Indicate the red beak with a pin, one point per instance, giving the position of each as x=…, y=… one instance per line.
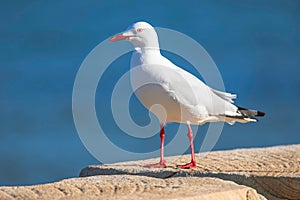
x=118, y=37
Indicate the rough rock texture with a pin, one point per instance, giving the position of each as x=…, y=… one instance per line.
x=273, y=172
x=132, y=187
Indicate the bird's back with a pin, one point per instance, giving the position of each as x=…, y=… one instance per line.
x=156, y=80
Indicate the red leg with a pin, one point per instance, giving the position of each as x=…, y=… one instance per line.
x=192, y=164
x=162, y=163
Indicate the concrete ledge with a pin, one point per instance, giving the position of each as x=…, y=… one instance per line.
x=274, y=172
x=132, y=187
x=235, y=174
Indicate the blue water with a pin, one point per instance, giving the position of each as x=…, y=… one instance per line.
x=255, y=44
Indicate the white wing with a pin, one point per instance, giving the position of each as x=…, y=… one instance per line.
x=198, y=102
x=225, y=95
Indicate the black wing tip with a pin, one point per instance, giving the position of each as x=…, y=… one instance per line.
x=253, y=113
x=241, y=108
x=260, y=114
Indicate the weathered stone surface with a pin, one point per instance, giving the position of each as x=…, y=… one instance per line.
x=273, y=172
x=132, y=187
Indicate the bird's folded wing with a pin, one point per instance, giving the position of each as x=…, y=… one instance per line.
x=225, y=95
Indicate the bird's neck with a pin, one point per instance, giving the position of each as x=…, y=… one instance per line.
x=148, y=50
x=145, y=55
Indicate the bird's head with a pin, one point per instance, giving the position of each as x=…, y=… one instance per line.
x=140, y=34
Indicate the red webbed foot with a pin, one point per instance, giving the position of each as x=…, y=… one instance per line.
x=190, y=165
x=161, y=164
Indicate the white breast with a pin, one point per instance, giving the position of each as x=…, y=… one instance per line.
x=183, y=97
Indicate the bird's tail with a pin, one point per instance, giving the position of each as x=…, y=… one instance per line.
x=243, y=116
x=250, y=114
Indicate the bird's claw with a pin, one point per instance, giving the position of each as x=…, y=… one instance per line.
x=161, y=164
x=190, y=165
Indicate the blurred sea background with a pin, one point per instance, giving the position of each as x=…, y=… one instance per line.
x=255, y=44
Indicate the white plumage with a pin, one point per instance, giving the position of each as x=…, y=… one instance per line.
x=183, y=96
x=173, y=94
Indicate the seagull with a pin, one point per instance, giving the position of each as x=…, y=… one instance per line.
x=173, y=94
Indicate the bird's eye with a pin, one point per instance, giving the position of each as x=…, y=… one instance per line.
x=139, y=30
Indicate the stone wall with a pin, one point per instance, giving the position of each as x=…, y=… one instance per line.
x=260, y=173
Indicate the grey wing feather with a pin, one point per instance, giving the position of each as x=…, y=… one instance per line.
x=224, y=95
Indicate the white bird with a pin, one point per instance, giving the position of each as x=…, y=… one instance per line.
x=182, y=97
